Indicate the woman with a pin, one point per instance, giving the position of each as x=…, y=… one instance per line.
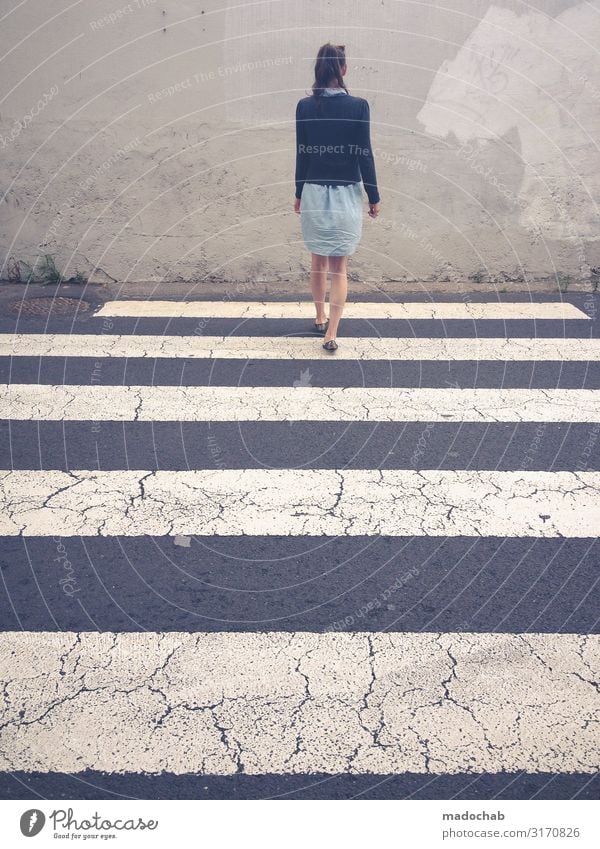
x=333, y=153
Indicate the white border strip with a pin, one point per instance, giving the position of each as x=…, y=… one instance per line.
x=299, y=703
x=47, y=402
x=297, y=348
x=299, y=502
x=354, y=309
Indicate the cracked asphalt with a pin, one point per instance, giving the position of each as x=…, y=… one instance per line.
x=312, y=703
x=233, y=566
x=269, y=502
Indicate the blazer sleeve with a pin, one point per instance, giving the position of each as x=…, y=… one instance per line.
x=366, y=159
x=302, y=156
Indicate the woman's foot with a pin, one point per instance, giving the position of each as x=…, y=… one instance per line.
x=330, y=345
x=321, y=326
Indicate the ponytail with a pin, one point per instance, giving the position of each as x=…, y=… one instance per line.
x=331, y=58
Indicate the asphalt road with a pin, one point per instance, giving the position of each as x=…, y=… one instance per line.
x=293, y=689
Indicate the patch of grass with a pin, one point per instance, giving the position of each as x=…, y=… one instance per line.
x=563, y=281
x=477, y=276
x=43, y=271
x=13, y=270
x=49, y=273
x=79, y=278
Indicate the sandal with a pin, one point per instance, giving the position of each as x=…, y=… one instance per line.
x=331, y=345
x=322, y=327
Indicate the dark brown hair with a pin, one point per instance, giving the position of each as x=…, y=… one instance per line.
x=331, y=58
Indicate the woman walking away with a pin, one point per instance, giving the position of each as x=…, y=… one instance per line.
x=333, y=154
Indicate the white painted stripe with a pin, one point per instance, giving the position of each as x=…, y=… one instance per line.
x=296, y=348
x=354, y=309
x=299, y=502
x=47, y=402
x=219, y=703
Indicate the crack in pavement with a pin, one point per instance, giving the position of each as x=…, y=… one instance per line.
x=303, y=702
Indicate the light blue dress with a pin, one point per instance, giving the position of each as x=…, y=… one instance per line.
x=331, y=216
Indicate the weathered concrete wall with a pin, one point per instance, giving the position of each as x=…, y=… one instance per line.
x=154, y=141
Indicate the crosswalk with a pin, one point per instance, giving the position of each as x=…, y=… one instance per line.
x=253, y=347
x=228, y=556
x=297, y=502
x=282, y=403
x=360, y=309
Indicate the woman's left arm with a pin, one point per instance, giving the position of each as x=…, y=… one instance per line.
x=366, y=160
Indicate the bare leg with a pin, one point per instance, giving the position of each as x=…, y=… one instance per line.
x=338, y=267
x=318, y=285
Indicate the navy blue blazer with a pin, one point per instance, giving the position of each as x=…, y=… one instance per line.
x=333, y=143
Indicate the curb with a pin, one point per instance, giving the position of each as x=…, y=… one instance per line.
x=261, y=290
